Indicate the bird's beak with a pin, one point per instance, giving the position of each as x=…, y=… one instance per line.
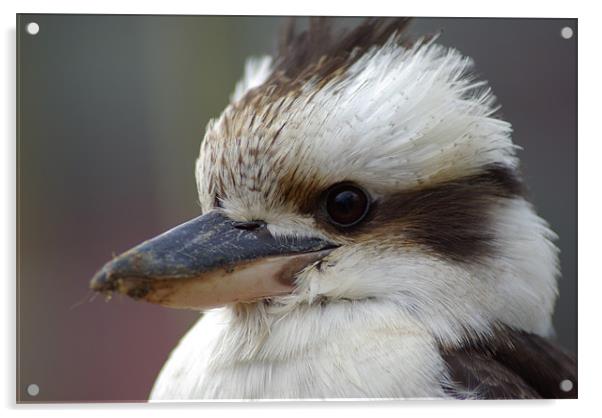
x=208, y=262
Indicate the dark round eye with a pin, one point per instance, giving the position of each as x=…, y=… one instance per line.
x=346, y=204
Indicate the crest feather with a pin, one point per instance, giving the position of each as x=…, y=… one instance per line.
x=319, y=53
x=318, y=45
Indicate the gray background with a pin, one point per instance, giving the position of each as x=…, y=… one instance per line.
x=112, y=111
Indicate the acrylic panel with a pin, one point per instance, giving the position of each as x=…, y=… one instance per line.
x=112, y=110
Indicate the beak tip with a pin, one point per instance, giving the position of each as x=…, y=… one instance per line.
x=102, y=282
x=110, y=279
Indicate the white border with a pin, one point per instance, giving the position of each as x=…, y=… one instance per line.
x=590, y=140
x=507, y=8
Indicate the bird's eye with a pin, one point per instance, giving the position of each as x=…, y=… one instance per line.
x=346, y=204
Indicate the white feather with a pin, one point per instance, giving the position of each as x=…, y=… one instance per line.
x=257, y=70
x=340, y=350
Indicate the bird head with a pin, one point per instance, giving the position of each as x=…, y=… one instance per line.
x=357, y=167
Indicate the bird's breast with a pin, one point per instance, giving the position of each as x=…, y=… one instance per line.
x=308, y=353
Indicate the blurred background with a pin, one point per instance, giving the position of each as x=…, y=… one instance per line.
x=112, y=110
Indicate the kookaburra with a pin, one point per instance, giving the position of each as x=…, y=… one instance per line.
x=363, y=235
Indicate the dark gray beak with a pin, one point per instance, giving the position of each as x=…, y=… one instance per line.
x=210, y=261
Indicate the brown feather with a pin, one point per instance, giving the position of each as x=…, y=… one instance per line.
x=510, y=365
x=298, y=52
x=318, y=53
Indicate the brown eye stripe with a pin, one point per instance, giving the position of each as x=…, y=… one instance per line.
x=451, y=219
